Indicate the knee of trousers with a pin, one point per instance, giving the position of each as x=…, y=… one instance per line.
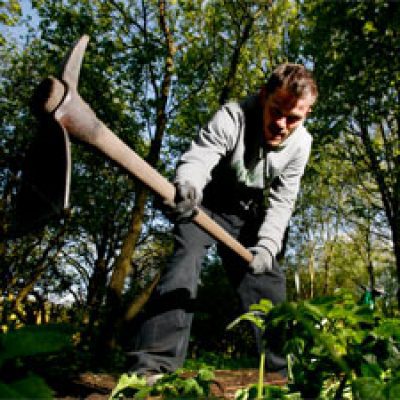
x=183, y=268
x=163, y=331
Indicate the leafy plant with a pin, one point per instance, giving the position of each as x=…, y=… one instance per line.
x=268, y=392
x=256, y=315
x=177, y=385
x=16, y=348
x=334, y=343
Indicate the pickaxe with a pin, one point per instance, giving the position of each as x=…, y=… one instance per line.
x=67, y=114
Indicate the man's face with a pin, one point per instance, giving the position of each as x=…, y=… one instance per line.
x=282, y=114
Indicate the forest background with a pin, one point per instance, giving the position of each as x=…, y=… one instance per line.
x=154, y=72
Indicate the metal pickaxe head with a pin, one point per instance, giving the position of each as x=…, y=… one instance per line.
x=46, y=174
x=45, y=179
x=73, y=62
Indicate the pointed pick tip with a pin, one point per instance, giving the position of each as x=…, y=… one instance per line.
x=73, y=62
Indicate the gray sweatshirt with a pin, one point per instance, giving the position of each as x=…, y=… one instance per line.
x=234, y=136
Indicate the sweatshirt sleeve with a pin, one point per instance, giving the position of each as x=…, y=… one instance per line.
x=280, y=203
x=214, y=141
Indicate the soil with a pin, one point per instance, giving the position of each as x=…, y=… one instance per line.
x=94, y=386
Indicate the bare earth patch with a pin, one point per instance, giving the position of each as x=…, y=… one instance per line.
x=91, y=386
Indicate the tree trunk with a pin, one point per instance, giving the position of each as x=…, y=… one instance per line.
x=229, y=83
x=396, y=247
x=135, y=307
x=370, y=265
x=311, y=270
x=327, y=261
x=55, y=244
x=122, y=268
x=96, y=292
x=123, y=265
x=244, y=36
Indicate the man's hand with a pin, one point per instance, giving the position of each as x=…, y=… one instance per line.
x=187, y=198
x=262, y=261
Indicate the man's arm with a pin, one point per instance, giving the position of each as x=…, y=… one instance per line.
x=214, y=141
x=282, y=196
x=281, y=200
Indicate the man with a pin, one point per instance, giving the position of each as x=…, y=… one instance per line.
x=244, y=169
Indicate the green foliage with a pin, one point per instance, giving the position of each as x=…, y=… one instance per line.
x=334, y=340
x=256, y=315
x=354, y=48
x=10, y=11
x=33, y=340
x=128, y=382
x=174, y=386
x=219, y=360
x=20, y=346
x=363, y=37
x=269, y=392
x=376, y=388
x=31, y=387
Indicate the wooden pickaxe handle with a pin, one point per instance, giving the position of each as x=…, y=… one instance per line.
x=80, y=121
x=117, y=150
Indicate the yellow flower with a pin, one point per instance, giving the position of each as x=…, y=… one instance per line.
x=76, y=338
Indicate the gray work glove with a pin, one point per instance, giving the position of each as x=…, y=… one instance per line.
x=187, y=198
x=262, y=261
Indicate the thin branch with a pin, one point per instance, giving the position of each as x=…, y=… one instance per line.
x=77, y=265
x=377, y=171
x=153, y=78
x=126, y=16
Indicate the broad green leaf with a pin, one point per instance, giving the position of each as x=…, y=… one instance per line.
x=388, y=328
x=205, y=374
x=367, y=388
x=256, y=320
x=6, y=392
x=32, y=387
x=392, y=389
x=264, y=306
x=128, y=381
x=32, y=340
x=275, y=392
x=371, y=370
x=310, y=310
x=295, y=345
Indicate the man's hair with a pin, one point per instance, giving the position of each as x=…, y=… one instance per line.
x=294, y=78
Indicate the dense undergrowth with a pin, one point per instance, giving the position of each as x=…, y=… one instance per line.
x=336, y=349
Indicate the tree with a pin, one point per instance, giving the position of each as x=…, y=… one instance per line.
x=21, y=260
x=355, y=49
x=334, y=212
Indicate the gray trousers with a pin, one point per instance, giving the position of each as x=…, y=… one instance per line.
x=162, y=339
